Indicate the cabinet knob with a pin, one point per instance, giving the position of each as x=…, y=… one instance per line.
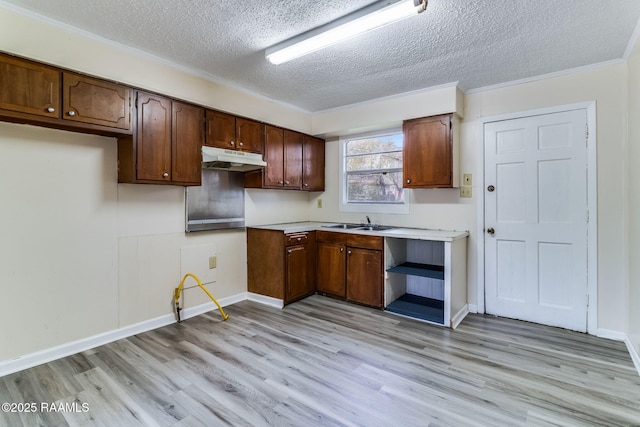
x=232, y=143
x=241, y=144
x=305, y=184
x=299, y=238
x=289, y=251
x=51, y=110
x=166, y=174
x=287, y=182
x=280, y=182
x=341, y=249
x=71, y=113
x=408, y=181
x=349, y=252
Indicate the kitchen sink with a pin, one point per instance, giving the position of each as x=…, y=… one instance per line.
x=376, y=227
x=343, y=226
x=364, y=227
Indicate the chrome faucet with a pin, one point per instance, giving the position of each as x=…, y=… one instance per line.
x=368, y=220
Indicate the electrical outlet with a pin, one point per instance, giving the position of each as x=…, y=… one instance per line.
x=319, y=203
x=212, y=262
x=467, y=179
x=465, y=192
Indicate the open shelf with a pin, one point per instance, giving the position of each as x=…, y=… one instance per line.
x=419, y=307
x=416, y=269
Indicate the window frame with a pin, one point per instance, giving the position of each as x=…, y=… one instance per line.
x=363, y=207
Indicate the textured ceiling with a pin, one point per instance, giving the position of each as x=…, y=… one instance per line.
x=474, y=42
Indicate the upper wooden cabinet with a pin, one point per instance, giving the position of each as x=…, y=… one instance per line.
x=430, y=158
x=28, y=87
x=94, y=101
x=294, y=161
x=235, y=133
x=312, y=164
x=42, y=95
x=165, y=147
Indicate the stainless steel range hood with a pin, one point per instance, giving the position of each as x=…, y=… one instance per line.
x=230, y=160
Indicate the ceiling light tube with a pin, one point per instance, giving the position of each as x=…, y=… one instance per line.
x=374, y=16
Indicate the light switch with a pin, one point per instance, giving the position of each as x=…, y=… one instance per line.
x=212, y=262
x=319, y=203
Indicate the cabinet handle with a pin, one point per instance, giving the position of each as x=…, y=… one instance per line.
x=166, y=174
x=71, y=113
x=280, y=182
x=408, y=181
x=299, y=238
x=241, y=144
x=51, y=110
x=287, y=182
x=349, y=252
x=232, y=143
x=341, y=249
x=305, y=185
x=289, y=251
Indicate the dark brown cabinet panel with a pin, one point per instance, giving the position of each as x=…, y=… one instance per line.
x=428, y=152
x=364, y=276
x=249, y=135
x=187, y=139
x=274, y=156
x=292, y=159
x=235, y=133
x=42, y=95
x=332, y=269
x=281, y=265
x=28, y=87
x=153, y=138
x=313, y=164
x=350, y=266
x=95, y=101
x=165, y=148
x=221, y=130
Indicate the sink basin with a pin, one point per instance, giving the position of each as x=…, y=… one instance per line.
x=343, y=226
x=376, y=227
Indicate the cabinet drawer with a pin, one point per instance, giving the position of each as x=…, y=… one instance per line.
x=331, y=237
x=364, y=241
x=296, y=239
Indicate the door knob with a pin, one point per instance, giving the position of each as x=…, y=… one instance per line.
x=491, y=231
x=491, y=189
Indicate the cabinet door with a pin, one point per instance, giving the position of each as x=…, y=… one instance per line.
x=292, y=159
x=331, y=269
x=274, y=156
x=187, y=129
x=221, y=130
x=153, y=138
x=364, y=276
x=28, y=87
x=297, y=272
x=313, y=164
x=428, y=152
x=249, y=135
x=97, y=102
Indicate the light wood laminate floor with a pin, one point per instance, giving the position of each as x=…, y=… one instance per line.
x=325, y=362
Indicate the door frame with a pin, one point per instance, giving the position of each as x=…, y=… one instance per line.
x=592, y=204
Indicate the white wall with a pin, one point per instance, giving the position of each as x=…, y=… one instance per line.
x=634, y=198
x=81, y=255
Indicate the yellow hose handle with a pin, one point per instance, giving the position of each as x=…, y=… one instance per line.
x=178, y=290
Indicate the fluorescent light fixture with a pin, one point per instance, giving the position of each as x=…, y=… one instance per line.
x=371, y=17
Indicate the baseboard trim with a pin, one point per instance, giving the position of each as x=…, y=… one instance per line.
x=473, y=308
x=611, y=335
x=459, y=316
x=635, y=356
x=262, y=299
x=39, y=357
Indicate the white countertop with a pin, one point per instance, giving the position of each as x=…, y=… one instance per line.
x=400, y=233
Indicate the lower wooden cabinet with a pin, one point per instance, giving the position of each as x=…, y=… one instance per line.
x=350, y=267
x=280, y=265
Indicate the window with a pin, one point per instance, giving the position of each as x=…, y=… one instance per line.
x=372, y=173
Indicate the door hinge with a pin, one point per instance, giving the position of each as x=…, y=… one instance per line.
x=587, y=217
x=586, y=135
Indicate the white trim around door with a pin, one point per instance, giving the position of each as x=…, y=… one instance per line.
x=592, y=211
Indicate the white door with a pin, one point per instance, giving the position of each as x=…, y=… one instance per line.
x=536, y=219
